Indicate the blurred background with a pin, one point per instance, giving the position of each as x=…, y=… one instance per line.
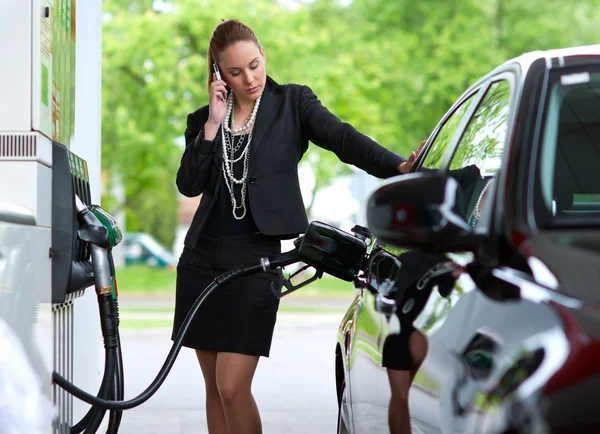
x=391, y=68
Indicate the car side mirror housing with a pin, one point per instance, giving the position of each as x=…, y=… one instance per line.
x=421, y=210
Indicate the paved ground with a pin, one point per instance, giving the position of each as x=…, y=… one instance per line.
x=294, y=388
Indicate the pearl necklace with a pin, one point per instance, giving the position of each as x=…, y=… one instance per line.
x=247, y=124
x=229, y=150
x=477, y=209
x=476, y=214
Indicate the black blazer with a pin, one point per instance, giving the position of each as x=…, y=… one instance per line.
x=288, y=117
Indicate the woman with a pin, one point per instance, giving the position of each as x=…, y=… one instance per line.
x=242, y=154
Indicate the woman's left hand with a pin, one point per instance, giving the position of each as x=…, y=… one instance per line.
x=407, y=165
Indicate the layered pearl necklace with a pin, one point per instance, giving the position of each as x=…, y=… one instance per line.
x=476, y=214
x=229, y=150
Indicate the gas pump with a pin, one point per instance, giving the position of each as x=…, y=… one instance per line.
x=44, y=268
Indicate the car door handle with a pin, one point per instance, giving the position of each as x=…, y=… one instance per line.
x=347, y=333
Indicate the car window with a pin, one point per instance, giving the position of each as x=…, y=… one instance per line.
x=433, y=159
x=570, y=156
x=478, y=156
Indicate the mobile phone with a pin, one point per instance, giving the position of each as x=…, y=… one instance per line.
x=218, y=75
x=217, y=72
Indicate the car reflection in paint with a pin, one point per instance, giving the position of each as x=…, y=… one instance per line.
x=504, y=202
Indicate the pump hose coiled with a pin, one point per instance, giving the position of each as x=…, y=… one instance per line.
x=112, y=385
x=114, y=421
x=170, y=360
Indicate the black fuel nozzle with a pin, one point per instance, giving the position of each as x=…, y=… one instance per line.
x=91, y=229
x=281, y=260
x=362, y=233
x=278, y=290
x=326, y=249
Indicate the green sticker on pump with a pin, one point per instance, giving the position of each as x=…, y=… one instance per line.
x=45, y=85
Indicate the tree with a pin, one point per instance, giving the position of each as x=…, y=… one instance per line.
x=389, y=68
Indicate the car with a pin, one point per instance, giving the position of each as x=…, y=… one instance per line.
x=143, y=249
x=491, y=248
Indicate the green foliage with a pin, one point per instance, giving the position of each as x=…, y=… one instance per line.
x=445, y=134
x=143, y=280
x=492, y=114
x=389, y=68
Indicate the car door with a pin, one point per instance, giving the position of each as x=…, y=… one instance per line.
x=369, y=387
x=475, y=162
x=363, y=360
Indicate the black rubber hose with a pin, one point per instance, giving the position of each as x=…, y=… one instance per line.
x=120, y=393
x=120, y=373
x=85, y=421
x=120, y=382
x=108, y=307
x=120, y=376
x=168, y=364
x=114, y=421
x=99, y=413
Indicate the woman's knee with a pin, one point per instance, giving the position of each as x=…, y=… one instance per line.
x=230, y=390
x=232, y=386
x=234, y=375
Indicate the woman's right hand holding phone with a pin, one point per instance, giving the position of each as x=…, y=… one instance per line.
x=217, y=108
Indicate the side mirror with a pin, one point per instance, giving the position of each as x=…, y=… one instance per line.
x=420, y=210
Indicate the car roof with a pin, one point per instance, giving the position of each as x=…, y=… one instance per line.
x=554, y=58
x=526, y=59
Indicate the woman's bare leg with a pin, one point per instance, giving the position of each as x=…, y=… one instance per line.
x=398, y=415
x=215, y=416
x=417, y=343
x=234, y=381
x=400, y=382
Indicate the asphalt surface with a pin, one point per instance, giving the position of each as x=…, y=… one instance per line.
x=294, y=388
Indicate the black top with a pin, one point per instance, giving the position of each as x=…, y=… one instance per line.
x=288, y=118
x=221, y=221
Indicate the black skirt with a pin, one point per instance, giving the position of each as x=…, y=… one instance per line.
x=238, y=317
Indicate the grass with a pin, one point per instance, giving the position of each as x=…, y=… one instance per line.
x=129, y=321
x=282, y=308
x=139, y=324
x=142, y=280
x=146, y=281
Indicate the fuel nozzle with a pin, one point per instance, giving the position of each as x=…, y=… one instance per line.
x=362, y=233
x=326, y=249
x=97, y=226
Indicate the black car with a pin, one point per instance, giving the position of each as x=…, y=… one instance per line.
x=491, y=248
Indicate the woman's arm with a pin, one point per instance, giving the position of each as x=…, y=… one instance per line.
x=325, y=130
x=196, y=163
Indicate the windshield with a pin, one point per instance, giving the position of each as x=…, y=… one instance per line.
x=570, y=157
